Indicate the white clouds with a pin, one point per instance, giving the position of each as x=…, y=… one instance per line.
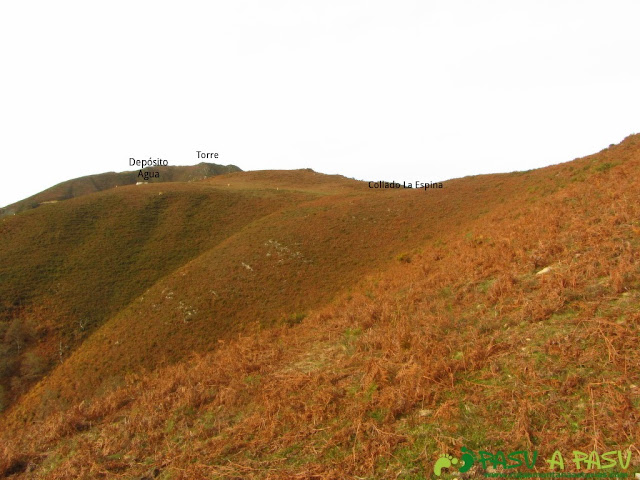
x=369, y=89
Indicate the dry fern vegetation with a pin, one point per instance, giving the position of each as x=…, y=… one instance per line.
x=299, y=325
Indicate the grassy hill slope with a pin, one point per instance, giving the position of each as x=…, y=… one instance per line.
x=272, y=271
x=66, y=268
x=457, y=341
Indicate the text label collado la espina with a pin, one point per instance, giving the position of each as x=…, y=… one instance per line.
x=416, y=184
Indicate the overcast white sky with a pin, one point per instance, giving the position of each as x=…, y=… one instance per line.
x=396, y=90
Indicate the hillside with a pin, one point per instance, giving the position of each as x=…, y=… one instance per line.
x=353, y=333
x=66, y=268
x=271, y=265
x=104, y=181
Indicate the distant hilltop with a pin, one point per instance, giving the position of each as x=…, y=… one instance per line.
x=104, y=181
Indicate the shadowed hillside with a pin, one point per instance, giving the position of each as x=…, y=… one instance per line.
x=363, y=333
x=104, y=181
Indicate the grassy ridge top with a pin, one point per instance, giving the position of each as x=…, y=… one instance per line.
x=104, y=181
x=300, y=180
x=443, y=336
